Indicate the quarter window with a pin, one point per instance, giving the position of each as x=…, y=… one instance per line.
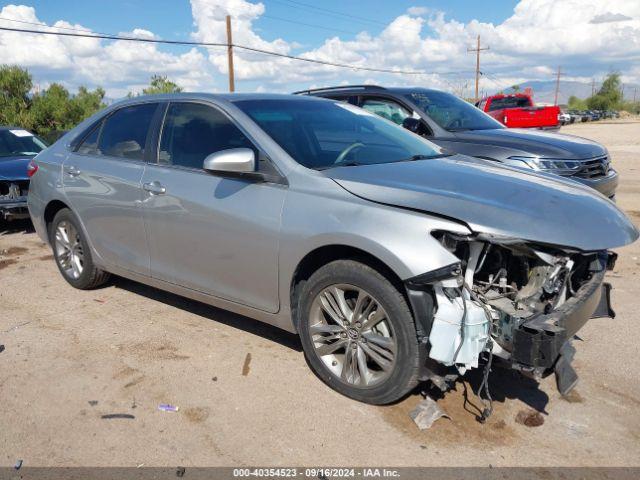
x=124, y=133
x=386, y=109
x=193, y=131
x=89, y=145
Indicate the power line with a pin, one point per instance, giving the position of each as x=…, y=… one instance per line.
x=212, y=44
x=51, y=26
x=102, y=33
x=331, y=13
x=309, y=24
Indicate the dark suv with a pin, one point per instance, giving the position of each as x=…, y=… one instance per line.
x=460, y=127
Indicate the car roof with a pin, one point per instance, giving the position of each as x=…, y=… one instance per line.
x=226, y=97
x=369, y=89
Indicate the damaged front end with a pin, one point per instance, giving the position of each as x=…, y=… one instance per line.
x=512, y=299
x=13, y=199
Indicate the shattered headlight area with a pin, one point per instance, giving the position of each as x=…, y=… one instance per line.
x=514, y=300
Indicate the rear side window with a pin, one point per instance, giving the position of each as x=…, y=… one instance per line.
x=352, y=99
x=508, y=102
x=386, y=109
x=123, y=134
x=193, y=131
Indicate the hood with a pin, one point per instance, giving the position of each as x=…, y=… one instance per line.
x=535, y=142
x=14, y=168
x=495, y=200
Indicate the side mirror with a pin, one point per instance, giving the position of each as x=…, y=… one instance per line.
x=414, y=125
x=233, y=160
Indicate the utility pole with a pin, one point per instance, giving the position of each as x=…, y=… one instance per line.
x=555, y=102
x=635, y=90
x=593, y=87
x=477, y=50
x=232, y=86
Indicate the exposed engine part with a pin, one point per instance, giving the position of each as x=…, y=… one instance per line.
x=512, y=281
x=484, y=386
x=13, y=199
x=513, y=300
x=461, y=325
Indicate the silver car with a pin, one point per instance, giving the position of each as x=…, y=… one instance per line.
x=394, y=261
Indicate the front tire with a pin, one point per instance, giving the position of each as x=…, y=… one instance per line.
x=72, y=253
x=358, y=333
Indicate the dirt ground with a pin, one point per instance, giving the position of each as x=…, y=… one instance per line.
x=246, y=395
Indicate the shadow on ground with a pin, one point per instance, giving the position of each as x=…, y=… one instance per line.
x=16, y=226
x=503, y=384
x=225, y=317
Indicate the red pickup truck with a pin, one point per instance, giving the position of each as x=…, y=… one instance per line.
x=518, y=111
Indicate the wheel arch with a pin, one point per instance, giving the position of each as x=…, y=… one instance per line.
x=50, y=211
x=320, y=256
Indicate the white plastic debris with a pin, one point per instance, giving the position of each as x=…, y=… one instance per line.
x=426, y=413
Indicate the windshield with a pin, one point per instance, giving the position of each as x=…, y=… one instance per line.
x=452, y=113
x=19, y=142
x=322, y=134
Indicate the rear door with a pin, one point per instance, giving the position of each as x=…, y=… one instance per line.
x=102, y=181
x=213, y=234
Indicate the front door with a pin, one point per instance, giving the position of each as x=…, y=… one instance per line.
x=214, y=234
x=102, y=182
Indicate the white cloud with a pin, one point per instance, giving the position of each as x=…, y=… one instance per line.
x=530, y=44
x=417, y=11
x=538, y=36
x=119, y=66
x=609, y=17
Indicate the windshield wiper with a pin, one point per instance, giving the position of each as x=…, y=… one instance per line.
x=346, y=164
x=413, y=158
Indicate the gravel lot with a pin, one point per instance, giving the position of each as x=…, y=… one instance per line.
x=246, y=395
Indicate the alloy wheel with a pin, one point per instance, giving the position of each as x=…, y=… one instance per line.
x=352, y=335
x=69, y=251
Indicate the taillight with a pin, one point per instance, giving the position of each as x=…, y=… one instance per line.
x=32, y=168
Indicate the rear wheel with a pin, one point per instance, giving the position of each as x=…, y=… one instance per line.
x=72, y=253
x=358, y=332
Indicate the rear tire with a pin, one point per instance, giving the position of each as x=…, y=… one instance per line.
x=72, y=253
x=358, y=333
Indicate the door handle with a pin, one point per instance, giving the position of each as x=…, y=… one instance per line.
x=154, y=188
x=72, y=171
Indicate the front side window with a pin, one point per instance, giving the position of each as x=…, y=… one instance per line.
x=124, y=133
x=386, y=109
x=193, y=131
x=14, y=142
x=452, y=113
x=322, y=134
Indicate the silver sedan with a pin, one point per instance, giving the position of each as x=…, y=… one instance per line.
x=395, y=261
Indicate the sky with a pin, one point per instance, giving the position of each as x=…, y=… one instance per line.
x=527, y=39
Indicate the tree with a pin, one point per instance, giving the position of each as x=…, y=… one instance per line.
x=49, y=111
x=609, y=96
x=515, y=88
x=56, y=110
x=88, y=102
x=576, y=103
x=15, y=85
x=161, y=84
